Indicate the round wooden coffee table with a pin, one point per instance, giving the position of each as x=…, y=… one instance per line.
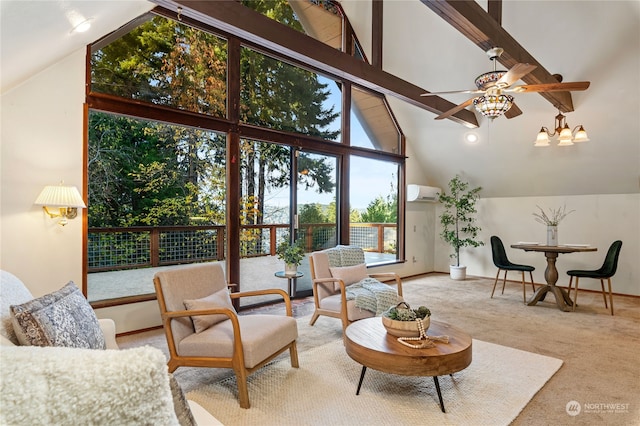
x=368, y=343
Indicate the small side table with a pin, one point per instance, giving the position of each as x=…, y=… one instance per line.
x=291, y=280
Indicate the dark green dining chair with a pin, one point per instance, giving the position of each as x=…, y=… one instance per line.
x=504, y=264
x=606, y=271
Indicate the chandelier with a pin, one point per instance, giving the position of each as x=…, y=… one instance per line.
x=493, y=105
x=565, y=134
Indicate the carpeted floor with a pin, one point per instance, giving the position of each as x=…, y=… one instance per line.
x=492, y=390
x=601, y=365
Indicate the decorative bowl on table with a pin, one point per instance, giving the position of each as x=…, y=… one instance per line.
x=401, y=320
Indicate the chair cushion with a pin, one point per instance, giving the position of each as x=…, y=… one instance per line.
x=219, y=299
x=262, y=336
x=516, y=267
x=597, y=274
x=61, y=318
x=350, y=274
x=354, y=313
x=191, y=282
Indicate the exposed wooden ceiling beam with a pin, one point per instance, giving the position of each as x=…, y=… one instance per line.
x=376, y=33
x=494, y=8
x=236, y=19
x=470, y=19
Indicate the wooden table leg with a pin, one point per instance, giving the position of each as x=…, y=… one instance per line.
x=563, y=301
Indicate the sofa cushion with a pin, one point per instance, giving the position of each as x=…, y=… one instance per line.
x=12, y=292
x=180, y=405
x=5, y=342
x=219, y=299
x=61, y=318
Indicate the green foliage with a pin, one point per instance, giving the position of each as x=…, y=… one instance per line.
x=151, y=173
x=141, y=173
x=382, y=210
x=403, y=312
x=291, y=254
x=457, y=219
x=312, y=213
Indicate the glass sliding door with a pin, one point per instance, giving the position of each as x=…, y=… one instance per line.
x=272, y=213
x=315, y=196
x=265, y=215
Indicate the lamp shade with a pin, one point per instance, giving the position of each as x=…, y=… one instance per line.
x=493, y=106
x=565, y=137
x=581, y=135
x=542, y=139
x=60, y=196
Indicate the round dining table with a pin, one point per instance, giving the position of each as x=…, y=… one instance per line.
x=563, y=301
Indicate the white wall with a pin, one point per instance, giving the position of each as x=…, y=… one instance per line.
x=42, y=143
x=598, y=220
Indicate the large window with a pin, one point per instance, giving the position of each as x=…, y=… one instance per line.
x=166, y=63
x=172, y=156
x=280, y=96
x=156, y=198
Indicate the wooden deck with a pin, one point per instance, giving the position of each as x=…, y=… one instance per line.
x=256, y=273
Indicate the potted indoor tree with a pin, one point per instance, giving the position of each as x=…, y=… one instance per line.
x=292, y=256
x=458, y=222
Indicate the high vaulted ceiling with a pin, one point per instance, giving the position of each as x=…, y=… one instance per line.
x=598, y=41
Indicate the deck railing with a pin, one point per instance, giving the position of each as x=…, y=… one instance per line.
x=112, y=249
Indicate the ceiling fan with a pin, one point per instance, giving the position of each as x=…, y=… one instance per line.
x=492, y=88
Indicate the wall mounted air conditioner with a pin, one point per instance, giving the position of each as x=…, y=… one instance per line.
x=422, y=193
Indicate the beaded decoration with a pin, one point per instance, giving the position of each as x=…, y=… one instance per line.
x=424, y=340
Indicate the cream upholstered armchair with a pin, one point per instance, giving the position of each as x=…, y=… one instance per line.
x=203, y=329
x=333, y=272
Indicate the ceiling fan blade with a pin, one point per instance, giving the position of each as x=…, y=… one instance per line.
x=452, y=92
x=552, y=87
x=514, y=74
x=455, y=109
x=514, y=111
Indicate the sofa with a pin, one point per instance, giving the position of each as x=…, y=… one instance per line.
x=51, y=375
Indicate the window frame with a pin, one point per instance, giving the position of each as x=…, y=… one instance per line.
x=235, y=129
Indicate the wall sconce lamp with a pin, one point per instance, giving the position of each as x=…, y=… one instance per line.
x=564, y=132
x=66, y=198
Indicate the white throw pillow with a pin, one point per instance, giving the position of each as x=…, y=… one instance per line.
x=350, y=274
x=219, y=299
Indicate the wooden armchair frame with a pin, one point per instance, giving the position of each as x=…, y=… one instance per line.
x=235, y=362
x=342, y=314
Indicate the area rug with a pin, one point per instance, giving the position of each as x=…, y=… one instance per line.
x=492, y=391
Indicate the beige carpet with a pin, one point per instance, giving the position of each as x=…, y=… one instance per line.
x=600, y=352
x=492, y=391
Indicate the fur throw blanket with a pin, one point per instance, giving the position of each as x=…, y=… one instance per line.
x=71, y=386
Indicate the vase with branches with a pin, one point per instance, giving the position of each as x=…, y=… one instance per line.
x=552, y=220
x=459, y=228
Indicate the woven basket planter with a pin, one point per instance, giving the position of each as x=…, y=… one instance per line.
x=404, y=328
